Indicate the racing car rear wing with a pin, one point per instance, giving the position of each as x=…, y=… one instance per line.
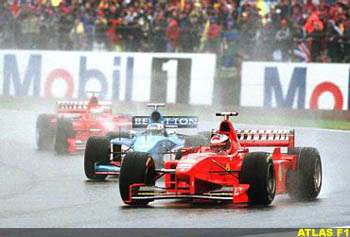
x=168, y=121
x=155, y=105
x=78, y=106
x=266, y=138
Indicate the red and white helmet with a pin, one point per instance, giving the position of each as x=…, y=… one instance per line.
x=219, y=142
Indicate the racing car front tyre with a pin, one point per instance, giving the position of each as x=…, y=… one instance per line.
x=45, y=132
x=305, y=182
x=258, y=171
x=137, y=167
x=63, y=132
x=96, y=150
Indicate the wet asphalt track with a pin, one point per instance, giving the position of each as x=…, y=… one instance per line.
x=40, y=189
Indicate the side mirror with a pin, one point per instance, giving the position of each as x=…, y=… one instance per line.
x=172, y=132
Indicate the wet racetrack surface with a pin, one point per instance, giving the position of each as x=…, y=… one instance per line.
x=41, y=189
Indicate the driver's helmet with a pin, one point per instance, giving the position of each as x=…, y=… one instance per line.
x=155, y=129
x=219, y=142
x=94, y=100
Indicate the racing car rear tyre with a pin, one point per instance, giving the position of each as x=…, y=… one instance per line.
x=137, y=167
x=63, y=132
x=305, y=182
x=258, y=171
x=45, y=132
x=97, y=150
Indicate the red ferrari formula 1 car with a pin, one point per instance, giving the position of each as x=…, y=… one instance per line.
x=226, y=170
x=75, y=122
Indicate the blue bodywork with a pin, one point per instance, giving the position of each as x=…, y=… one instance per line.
x=157, y=144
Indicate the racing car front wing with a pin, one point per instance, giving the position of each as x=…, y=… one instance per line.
x=236, y=194
x=109, y=169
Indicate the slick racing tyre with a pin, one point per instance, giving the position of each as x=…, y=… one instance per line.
x=137, y=167
x=305, y=182
x=45, y=131
x=63, y=132
x=96, y=150
x=258, y=171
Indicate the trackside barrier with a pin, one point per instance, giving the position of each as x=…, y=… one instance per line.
x=137, y=77
x=296, y=85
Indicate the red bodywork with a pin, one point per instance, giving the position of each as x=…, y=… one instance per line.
x=203, y=174
x=89, y=118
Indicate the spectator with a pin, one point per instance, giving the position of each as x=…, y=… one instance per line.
x=230, y=46
x=315, y=38
x=282, y=9
x=283, y=39
x=134, y=37
x=309, y=6
x=334, y=35
x=179, y=26
x=213, y=37
x=100, y=30
x=189, y=34
x=65, y=24
x=30, y=29
x=346, y=42
x=77, y=35
x=172, y=35
x=158, y=35
x=115, y=39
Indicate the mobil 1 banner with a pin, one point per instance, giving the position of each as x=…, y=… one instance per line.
x=168, y=121
x=169, y=78
x=171, y=72
x=296, y=85
x=182, y=78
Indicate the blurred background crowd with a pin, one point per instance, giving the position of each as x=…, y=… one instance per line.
x=235, y=30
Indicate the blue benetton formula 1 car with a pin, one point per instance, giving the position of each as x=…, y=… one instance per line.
x=103, y=154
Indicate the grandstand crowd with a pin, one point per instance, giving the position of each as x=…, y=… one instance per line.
x=282, y=30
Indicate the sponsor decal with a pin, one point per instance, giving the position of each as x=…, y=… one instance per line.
x=280, y=173
x=148, y=160
x=168, y=121
x=268, y=158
